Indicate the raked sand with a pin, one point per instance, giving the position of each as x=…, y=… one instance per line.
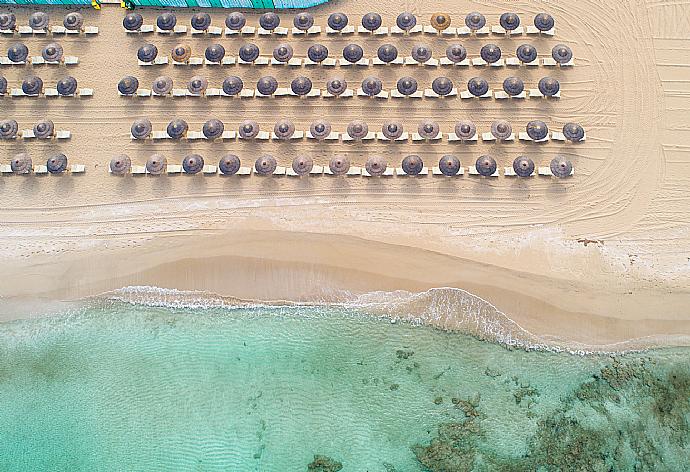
x=519, y=244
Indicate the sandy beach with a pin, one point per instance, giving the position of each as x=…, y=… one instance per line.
x=597, y=259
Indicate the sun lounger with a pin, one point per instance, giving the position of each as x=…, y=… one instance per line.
x=523, y=136
x=437, y=171
x=472, y=170
x=78, y=168
x=400, y=172
x=383, y=30
x=362, y=62
x=465, y=94
x=347, y=30
x=452, y=137
x=510, y=172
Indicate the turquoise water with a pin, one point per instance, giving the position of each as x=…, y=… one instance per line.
x=120, y=387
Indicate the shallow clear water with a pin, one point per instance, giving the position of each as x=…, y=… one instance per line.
x=120, y=387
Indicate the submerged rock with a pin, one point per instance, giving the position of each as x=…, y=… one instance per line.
x=324, y=464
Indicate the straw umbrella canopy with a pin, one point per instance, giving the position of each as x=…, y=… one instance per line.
x=465, y=130
x=302, y=165
x=162, y=85
x=406, y=21
x=442, y=86
x=376, y=165
x=147, y=53
x=8, y=21
x=267, y=85
x=249, y=129
x=156, y=164
x=177, y=128
x=73, y=21
x=52, y=52
x=3, y=85
x=215, y=53
x=265, y=165
x=543, y=21
x=128, y=85
x=166, y=21
x=357, y=129
x=475, y=21
x=456, y=53
x=337, y=21
x=317, y=52
x=141, y=128
x=301, y=85
x=336, y=86
x=320, y=129
x=561, y=167
x=181, y=53
x=21, y=164
x=440, y=21
x=132, y=21
x=573, y=132
x=233, y=85
x=193, y=163
x=197, y=85
x=8, y=129
x=392, y=129
x=303, y=21
x=39, y=20
x=387, y=53
x=353, y=53
x=18, y=52
x=249, y=52
x=485, y=165
x=120, y=165
x=67, y=86
x=537, y=130
x=513, y=86
x=283, y=52
x=428, y=129
x=372, y=86
x=523, y=166
x=213, y=128
x=526, y=53
x=509, y=21
x=44, y=129
x=549, y=86
x=32, y=85
x=449, y=165
x=477, y=86
x=269, y=21
x=229, y=164
x=501, y=129
x=284, y=129
x=421, y=53
x=235, y=20
x=407, y=85
x=57, y=163
x=412, y=165
x=339, y=165
x=490, y=53
x=372, y=21
x=201, y=21
x=561, y=53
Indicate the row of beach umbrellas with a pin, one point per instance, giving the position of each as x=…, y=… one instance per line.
x=304, y=21
x=42, y=129
x=22, y=164
x=39, y=21
x=33, y=85
x=19, y=52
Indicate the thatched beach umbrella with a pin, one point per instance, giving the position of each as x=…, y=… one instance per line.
x=456, y=53
x=8, y=21
x=537, y=130
x=52, y=52
x=18, y=52
x=421, y=53
x=162, y=85
x=392, y=129
x=513, y=86
x=156, y=164
x=440, y=21
x=407, y=85
x=32, y=85
x=120, y=165
x=561, y=167
x=320, y=129
x=215, y=53
x=526, y=53
x=147, y=53
x=412, y=165
x=44, y=129
x=249, y=52
x=302, y=165
x=372, y=86
x=357, y=129
x=303, y=21
x=267, y=85
x=449, y=165
x=490, y=53
x=477, y=86
x=213, y=129
x=8, y=129
x=406, y=21
x=57, y=163
x=543, y=21
x=337, y=21
x=235, y=20
x=442, y=86
x=376, y=165
x=485, y=165
x=249, y=129
x=132, y=21
x=336, y=86
x=501, y=129
x=465, y=130
x=233, y=85
x=301, y=85
x=128, y=85
x=193, y=163
x=372, y=21
x=197, y=85
x=269, y=21
x=523, y=166
x=21, y=164
x=229, y=164
x=475, y=21
x=177, y=128
x=353, y=53
x=141, y=128
x=166, y=21
x=573, y=132
x=284, y=129
x=3, y=85
x=73, y=21
x=39, y=20
x=549, y=86
x=387, y=53
x=265, y=165
x=317, y=53
x=181, y=53
x=67, y=86
x=339, y=165
x=509, y=21
x=561, y=53
x=201, y=21
x=428, y=129
x=283, y=52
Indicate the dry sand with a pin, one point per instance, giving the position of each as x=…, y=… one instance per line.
x=512, y=242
